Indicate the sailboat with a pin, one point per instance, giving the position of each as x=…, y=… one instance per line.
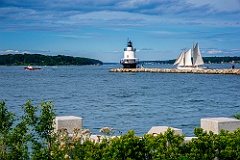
x=190, y=59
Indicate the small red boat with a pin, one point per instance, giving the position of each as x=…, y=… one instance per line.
x=31, y=68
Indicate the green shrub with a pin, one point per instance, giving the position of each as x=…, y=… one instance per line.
x=33, y=137
x=6, y=122
x=164, y=146
x=237, y=116
x=124, y=147
x=202, y=147
x=228, y=145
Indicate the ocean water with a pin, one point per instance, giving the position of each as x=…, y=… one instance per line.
x=124, y=101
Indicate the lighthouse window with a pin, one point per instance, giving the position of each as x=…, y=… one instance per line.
x=127, y=56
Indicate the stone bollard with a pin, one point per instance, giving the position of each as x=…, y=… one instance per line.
x=68, y=122
x=216, y=124
x=162, y=129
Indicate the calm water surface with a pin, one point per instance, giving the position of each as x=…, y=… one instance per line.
x=124, y=101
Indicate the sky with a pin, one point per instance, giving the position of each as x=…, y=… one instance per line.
x=99, y=29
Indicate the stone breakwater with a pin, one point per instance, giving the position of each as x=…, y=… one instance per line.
x=173, y=70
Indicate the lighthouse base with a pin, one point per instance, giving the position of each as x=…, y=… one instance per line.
x=134, y=65
x=129, y=63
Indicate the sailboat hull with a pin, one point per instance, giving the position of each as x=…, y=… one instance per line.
x=189, y=68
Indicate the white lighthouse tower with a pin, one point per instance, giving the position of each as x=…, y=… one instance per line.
x=129, y=60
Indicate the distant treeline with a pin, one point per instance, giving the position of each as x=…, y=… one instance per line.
x=206, y=60
x=42, y=60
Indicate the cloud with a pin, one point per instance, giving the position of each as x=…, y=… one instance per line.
x=214, y=51
x=117, y=52
x=69, y=16
x=134, y=4
x=146, y=49
x=222, y=52
x=11, y=51
x=67, y=36
x=218, y=5
x=235, y=50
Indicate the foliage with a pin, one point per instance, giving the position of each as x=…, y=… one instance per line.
x=6, y=122
x=164, y=146
x=33, y=137
x=222, y=59
x=228, y=145
x=237, y=116
x=202, y=147
x=35, y=130
x=124, y=147
x=42, y=60
x=42, y=128
x=205, y=59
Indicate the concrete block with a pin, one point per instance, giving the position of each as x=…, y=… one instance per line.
x=68, y=122
x=216, y=124
x=188, y=139
x=162, y=129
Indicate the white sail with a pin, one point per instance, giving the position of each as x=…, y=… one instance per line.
x=184, y=61
x=188, y=58
x=197, y=57
x=179, y=59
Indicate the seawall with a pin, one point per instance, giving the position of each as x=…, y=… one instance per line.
x=214, y=124
x=173, y=70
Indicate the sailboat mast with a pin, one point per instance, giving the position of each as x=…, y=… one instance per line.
x=192, y=53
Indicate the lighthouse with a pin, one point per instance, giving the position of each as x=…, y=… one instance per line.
x=129, y=60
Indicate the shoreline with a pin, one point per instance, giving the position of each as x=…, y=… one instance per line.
x=173, y=70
